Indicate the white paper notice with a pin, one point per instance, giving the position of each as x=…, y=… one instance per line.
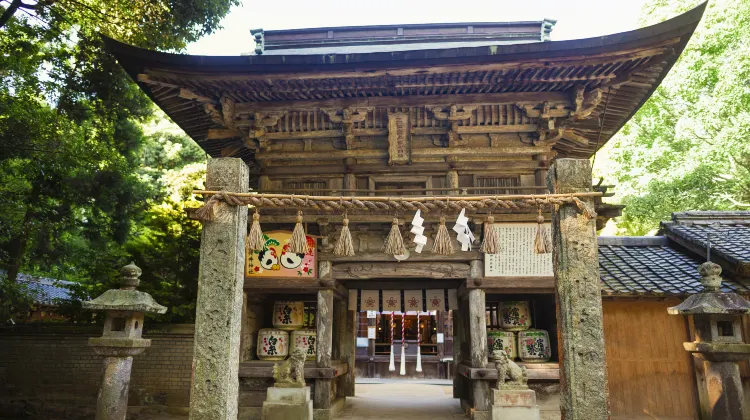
x=517, y=257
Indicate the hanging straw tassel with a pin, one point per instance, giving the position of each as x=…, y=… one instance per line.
x=491, y=241
x=419, y=348
x=402, y=371
x=442, y=244
x=392, y=366
x=344, y=246
x=255, y=241
x=394, y=244
x=298, y=241
x=542, y=242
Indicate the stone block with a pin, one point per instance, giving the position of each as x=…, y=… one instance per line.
x=514, y=405
x=287, y=403
x=288, y=395
x=513, y=398
x=287, y=411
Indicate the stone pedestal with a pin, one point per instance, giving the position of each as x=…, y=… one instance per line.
x=512, y=404
x=287, y=404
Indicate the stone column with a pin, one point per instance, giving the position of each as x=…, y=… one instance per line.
x=219, y=306
x=112, y=401
x=725, y=395
x=583, y=370
x=322, y=397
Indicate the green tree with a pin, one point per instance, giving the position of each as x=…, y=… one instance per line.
x=687, y=148
x=72, y=184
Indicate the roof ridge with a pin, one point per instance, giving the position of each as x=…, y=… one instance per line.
x=632, y=241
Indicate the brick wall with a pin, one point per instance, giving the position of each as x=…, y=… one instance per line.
x=53, y=363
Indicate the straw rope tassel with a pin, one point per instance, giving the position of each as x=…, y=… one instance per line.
x=402, y=371
x=255, y=241
x=392, y=366
x=442, y=244
x=542, y=241
x=298, y=241
x=394, y=244
x=419, y=348
x=344, y=246
x=491, y=241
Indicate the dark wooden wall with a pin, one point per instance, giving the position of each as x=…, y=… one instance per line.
x=650, y=374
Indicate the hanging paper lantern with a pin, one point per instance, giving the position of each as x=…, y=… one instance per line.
x=418, y=230
x=464, y=235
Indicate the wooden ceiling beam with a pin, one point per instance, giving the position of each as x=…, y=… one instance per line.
x=472, y=166
x=404, y=101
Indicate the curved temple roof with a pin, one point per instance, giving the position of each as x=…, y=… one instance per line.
x=221, y=102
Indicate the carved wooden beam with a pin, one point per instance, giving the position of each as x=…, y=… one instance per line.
x=347, y=119
x=405, y=101
x=585, y=101
x=453, y=115
x=575, y=138
x=260, y=122
x=221, y=134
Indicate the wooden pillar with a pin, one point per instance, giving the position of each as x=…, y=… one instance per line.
x=348, y=349
x=350, y=183
x=322, y=396
x=478, y=352
x=458, y=344
x=541, y=173
x=216, y=353
x=451, y=181
x=343, y=345
x=583, y=370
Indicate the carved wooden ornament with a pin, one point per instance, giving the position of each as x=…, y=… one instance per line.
x=399, y=139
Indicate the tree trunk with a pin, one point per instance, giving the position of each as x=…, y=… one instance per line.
x=17, y=248
x=9, y=12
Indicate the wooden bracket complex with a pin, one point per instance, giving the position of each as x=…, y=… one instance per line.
x=347, y=119
x=453, y=115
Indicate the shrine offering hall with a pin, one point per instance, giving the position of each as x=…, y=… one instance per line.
x=405, y=202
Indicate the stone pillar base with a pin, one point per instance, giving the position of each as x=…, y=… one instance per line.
x=287, y=403
x=514, y=404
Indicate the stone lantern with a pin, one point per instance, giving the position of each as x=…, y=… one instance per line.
x=718, y=342
x=121, y=340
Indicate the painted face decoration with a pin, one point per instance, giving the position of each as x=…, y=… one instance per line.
x=289, y=259
x=268, y=259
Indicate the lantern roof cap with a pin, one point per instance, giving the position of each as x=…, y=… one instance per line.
x=126, y=298
x=711, y=301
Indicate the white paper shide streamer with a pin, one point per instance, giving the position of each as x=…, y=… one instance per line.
x=418, y=230
x=464, y=235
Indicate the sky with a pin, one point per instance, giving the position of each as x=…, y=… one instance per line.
x=575, y=18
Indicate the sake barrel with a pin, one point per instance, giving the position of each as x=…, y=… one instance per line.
x=273, y=344
x=288, y=315
x=515, y=315
x=305, y=340
x=534, y=346
x=502, y=340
